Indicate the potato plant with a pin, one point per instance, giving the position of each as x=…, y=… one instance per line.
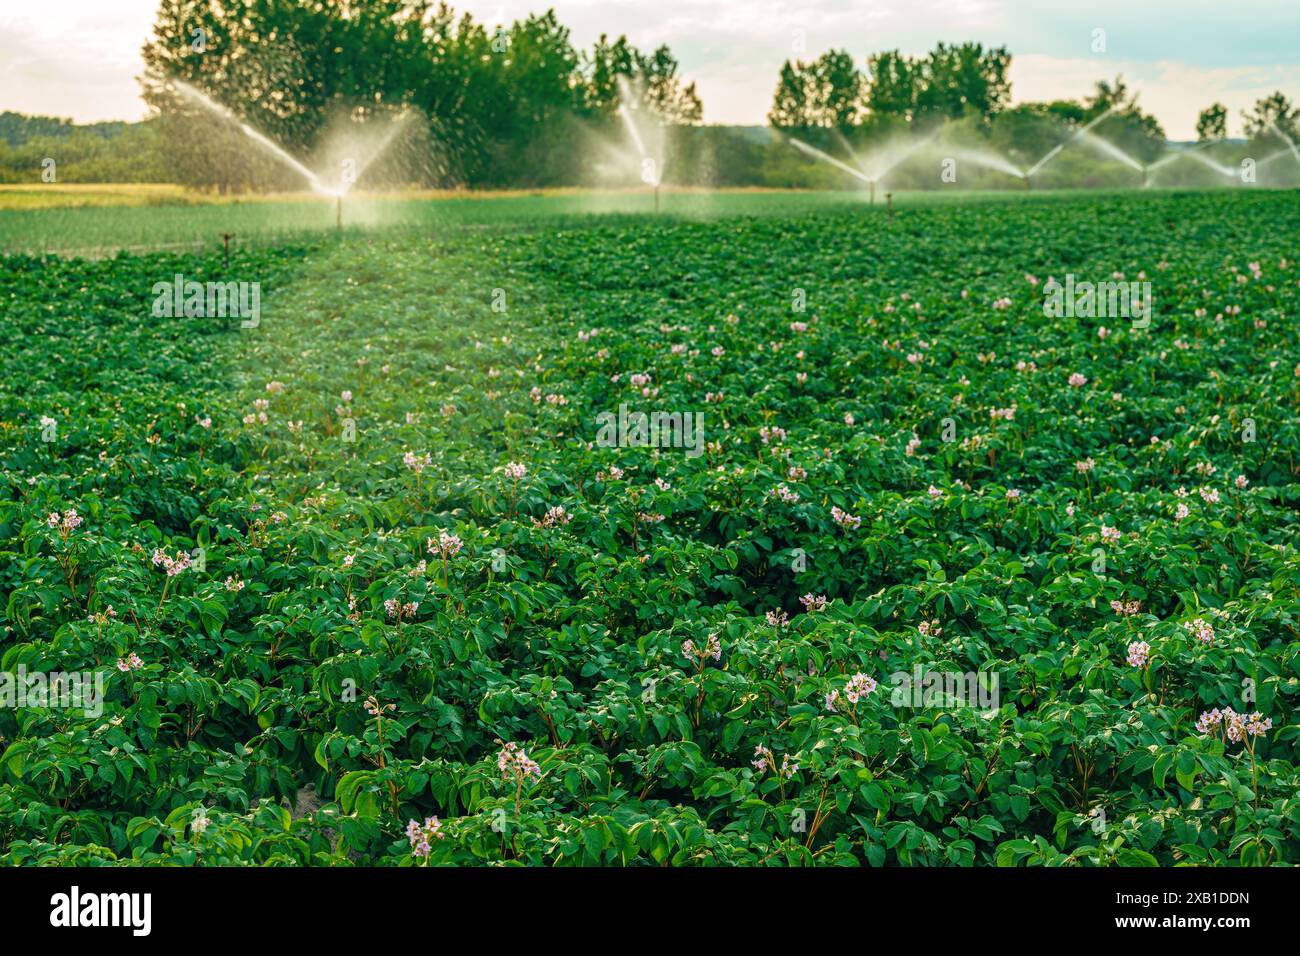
x=368, y=586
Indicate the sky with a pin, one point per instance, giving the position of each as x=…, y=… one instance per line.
x=80, y=58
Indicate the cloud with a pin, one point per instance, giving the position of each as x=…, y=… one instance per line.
x=1174, y=91
x=78, y=58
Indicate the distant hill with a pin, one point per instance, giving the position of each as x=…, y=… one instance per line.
x=753, y=134
x=17, y=128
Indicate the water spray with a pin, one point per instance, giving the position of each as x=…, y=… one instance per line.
x=1204, y=160
x=1285, y=138
x=874, y=168
x=1271, y=157
x=898, y=158
x=202, y=99
x=352, y=170
x=1052, y=153
x=652, y=167
x=816, y=153
x=888, y=159
x=985, y=159
x=1196, y=154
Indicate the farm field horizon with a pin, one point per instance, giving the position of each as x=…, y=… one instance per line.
x=101, y=219
x=771, y=529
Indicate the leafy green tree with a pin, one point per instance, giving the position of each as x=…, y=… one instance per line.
x=790, y=101
x=675, y=103
x=1027, y=131
x=1116, y=97
x=1212, y=123
x=951, y=82
x=824, y=94
x=500, y=102
x=892, y=84
x=1138, y=133
x=1274, y=110
x=285, y=66
x=651, y=77
x=95, y=153
x=537, y=78
x=17, y=128
x=602, y=68
x=1068, y=111
x=964, y=79
x=837, y=90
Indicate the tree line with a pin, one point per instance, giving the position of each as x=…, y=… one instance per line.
x=831, y=100
x=501, y=102
x=520, y=105
x=830, y=92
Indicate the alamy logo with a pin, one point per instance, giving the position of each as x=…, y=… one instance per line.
x=64, y=690
x=652, y=430
x=1098, y=300
x=978, y=690
x=208, y=300
x=102, y=909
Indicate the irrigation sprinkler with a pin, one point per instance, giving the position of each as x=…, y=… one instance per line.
x=816, y=153
x=1272, y=157
x=1295, y=151
x=881, y=168
x=375, y=149
x=1052, y=153
x=652, y=166
x=889, y=204
x=1044, y=161
x=225, y=238
x=1198, y=155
